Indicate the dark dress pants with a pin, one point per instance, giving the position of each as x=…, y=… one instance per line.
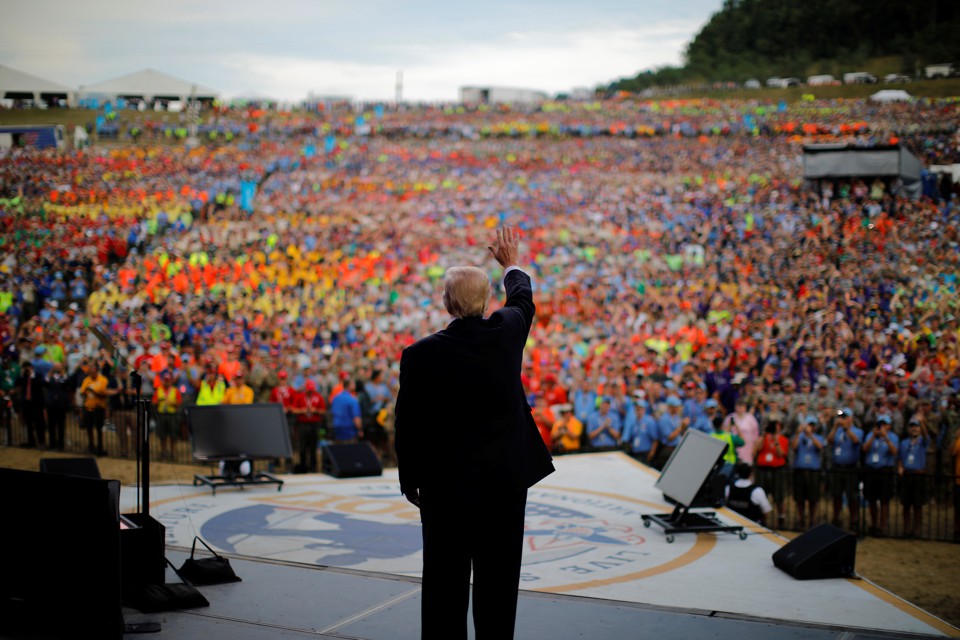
x=57, y=422
x=478, y=526
x=33, y=419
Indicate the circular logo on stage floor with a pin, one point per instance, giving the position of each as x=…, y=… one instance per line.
x=574, y=539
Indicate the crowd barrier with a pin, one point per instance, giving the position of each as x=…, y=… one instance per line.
x=119, y=442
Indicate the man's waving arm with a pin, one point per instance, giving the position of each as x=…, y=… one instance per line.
x=517, y=285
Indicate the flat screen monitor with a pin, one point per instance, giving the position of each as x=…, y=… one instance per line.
x=230, y=432
x=690, y=466
x=61, y=579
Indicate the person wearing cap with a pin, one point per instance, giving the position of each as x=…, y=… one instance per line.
x=552, y=392
x=213, y=388
x=670, y=429
x=844, y=441
x=468, y=449
x=880, y=457
x=807, y=448
x=640, y=433
x=912, y=467
x=167, y=402
x=721, y=431
x=58, y=394
x=703, y=420
x=239, y=392
x=567, y=431
x=309, y=410
x=770, y=452
x=604, y=426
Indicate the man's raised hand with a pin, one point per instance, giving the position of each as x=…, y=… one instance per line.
x=507, y=248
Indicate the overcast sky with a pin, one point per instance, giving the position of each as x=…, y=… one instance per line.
x=289, y=48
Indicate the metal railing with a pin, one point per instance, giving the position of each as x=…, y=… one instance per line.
x=939, y=515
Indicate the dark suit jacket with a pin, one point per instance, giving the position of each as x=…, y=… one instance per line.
x=461, y=412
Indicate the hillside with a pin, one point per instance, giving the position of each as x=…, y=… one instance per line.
x=762, y=38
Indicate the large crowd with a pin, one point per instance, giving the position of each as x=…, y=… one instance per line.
x=685, y=275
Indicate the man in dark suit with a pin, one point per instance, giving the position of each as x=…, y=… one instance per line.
x=468, y=450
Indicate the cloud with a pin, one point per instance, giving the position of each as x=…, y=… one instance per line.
x=546, y=61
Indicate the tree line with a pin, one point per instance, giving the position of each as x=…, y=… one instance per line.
x=761, y=38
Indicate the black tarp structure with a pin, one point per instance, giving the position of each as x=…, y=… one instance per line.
x=839, y=161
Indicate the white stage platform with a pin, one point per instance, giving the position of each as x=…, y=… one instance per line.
x=586, y=552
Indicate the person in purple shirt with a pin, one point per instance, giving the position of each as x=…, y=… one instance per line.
x=880, y=451
x=912, y=466
x=844, y=442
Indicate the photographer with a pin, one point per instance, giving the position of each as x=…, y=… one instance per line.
x=808, y=458
x=770, y=453
x=880, y=448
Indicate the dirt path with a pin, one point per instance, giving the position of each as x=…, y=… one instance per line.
x=921, y=572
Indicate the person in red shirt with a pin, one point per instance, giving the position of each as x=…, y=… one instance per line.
x=770, y=453
x=309, y=410
x=553, y=394
x=284, y=394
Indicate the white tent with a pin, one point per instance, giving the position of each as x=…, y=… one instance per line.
x=17, y=85
x=891, y=95
x=149, y=85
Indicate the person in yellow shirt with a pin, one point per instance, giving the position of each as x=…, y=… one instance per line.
x=212, y=388
x=239, y=392
x=566, y=431
x=94, y=392
x=167, y=401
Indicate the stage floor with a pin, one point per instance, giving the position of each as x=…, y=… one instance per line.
x=341, y=558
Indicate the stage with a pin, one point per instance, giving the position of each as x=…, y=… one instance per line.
x=341, y=559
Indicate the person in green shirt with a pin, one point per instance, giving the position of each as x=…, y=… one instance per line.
x=9, y=373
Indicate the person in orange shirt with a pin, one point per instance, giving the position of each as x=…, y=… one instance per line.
x=566, y=431
x=239, y=392
x=94, y=392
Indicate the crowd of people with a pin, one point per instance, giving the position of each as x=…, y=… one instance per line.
x=685, y=278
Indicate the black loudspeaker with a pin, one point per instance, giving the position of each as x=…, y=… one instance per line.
x=86, y=467
x=823, y=552
x=350, y=460
x=142, y=551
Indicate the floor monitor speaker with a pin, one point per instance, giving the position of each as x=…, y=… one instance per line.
x=822, y=552
x=350, y=460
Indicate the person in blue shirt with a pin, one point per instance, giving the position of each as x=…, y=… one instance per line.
x=880, y=451
x=603, y=426
x=703, y=420
x=345, y=418
x=807, y=448
x=670, y=429
x=693, y=404
x=584, y=401
x=640, y=433
x=912, y=466
x=844, y=441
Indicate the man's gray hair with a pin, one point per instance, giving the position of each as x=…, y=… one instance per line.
x=466, y=291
